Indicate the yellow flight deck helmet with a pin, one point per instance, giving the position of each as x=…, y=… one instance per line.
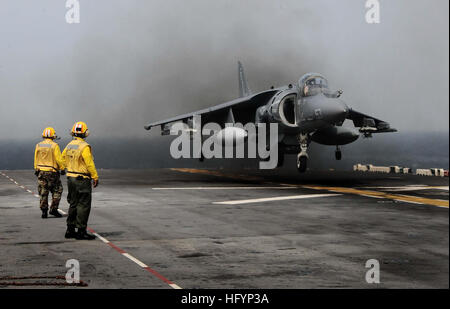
x=80, y=129
x=49, y=132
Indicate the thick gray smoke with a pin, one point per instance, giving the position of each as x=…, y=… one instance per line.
x=131, y=62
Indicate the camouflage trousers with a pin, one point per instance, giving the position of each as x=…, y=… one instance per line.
x=80, y=200
x=49, y=182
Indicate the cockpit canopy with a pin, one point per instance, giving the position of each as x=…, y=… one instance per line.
x=312, y=84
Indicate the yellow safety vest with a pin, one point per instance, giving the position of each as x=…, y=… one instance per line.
x=45, y=158
x=74, y=159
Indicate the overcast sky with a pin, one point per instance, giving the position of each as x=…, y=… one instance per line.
x=131, y=62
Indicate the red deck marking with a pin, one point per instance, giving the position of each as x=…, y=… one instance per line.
x=157, y=274
x=121, y=251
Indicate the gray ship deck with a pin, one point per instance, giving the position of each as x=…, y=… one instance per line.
x=189, y=228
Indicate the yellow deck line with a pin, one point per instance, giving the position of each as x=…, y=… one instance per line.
x=378, y=194
x=216, y=173
x=403, y=198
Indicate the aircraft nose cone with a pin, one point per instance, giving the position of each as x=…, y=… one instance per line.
x=336, y=111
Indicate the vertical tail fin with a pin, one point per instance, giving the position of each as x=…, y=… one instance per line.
x=243, y=87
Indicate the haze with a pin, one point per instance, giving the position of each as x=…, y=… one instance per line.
x=131, y=62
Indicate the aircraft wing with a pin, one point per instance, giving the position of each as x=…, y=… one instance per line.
x=243, y=110
x=369, y=124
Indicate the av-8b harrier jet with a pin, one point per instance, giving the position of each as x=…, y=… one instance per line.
x=306, y=112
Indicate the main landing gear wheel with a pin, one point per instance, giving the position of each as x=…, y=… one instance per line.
x=280, y=156
x=338, y=154
x=302, y=162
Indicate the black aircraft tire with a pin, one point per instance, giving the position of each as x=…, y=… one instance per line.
x=280, y=158
x=338, y=155
x=302, y=162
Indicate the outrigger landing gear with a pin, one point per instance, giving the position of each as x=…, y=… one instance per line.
x=338, y=153
x=302, y=157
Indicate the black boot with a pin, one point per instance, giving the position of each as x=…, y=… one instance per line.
x=83, y=235
x=55, y=213
x=44, y=213
x=70, y=232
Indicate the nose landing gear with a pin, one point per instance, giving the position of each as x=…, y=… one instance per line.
x=302, y=157
x=302, y=162
x=338, y=153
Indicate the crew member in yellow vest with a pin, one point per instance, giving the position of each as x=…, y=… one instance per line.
x=81, y=176
x=48, y=164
